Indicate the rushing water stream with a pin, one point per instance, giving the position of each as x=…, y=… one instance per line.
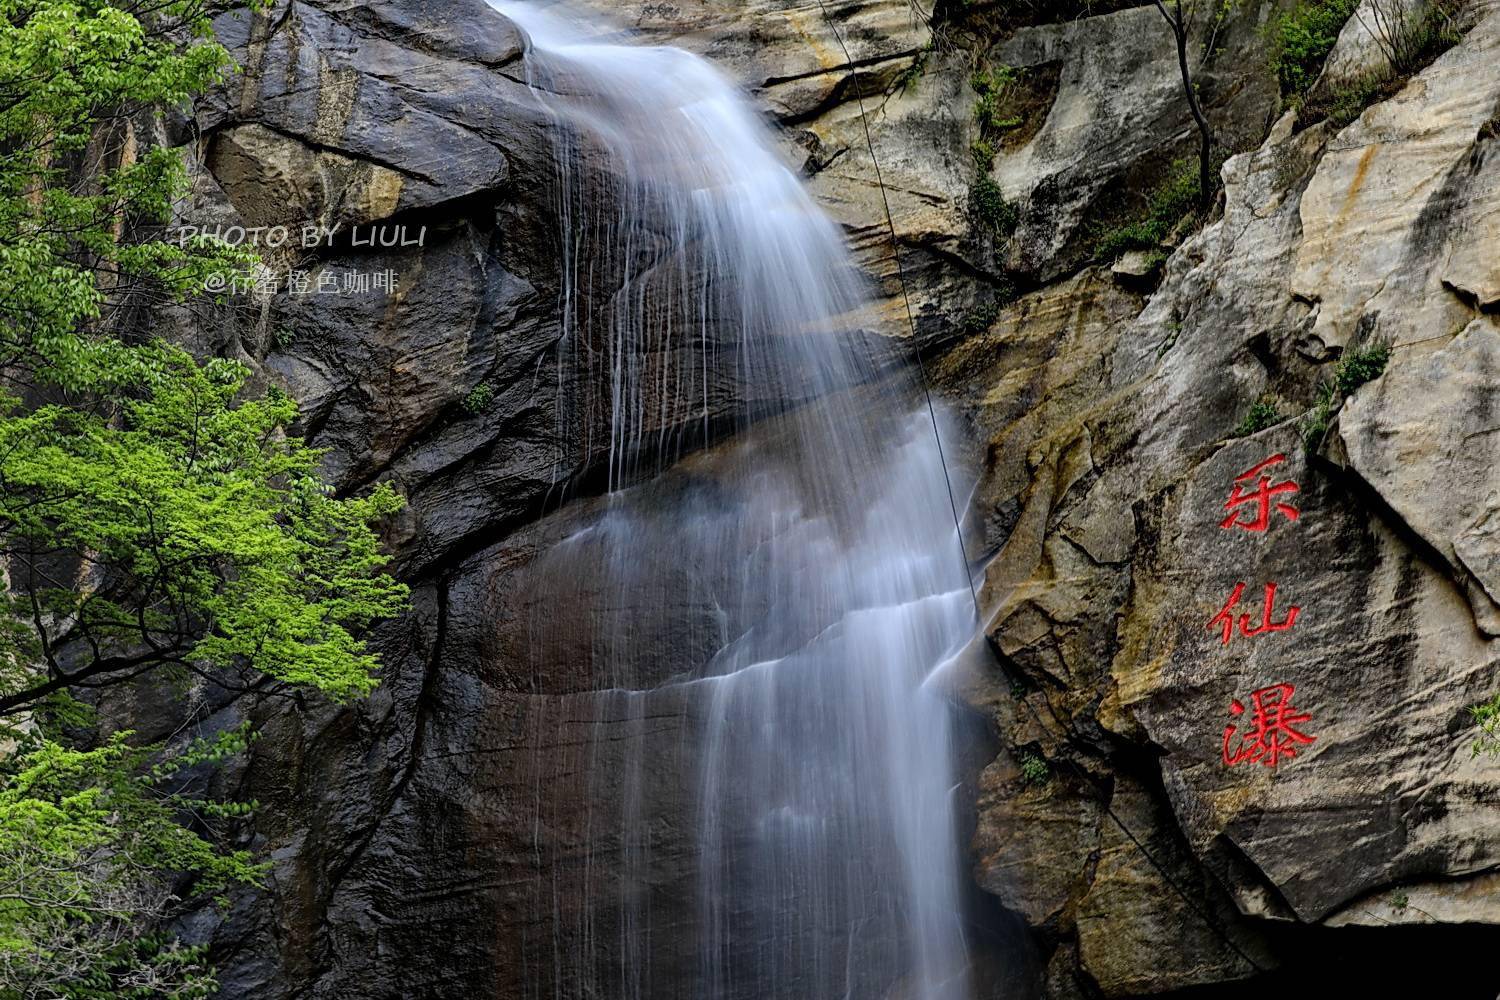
x=787, y=600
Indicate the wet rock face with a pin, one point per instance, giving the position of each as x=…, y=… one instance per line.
x=513, y=808
x=400, y=118
x=405, y=831
x=409, y=834
x=794, y=59
x=405, y=139
x=467, y=824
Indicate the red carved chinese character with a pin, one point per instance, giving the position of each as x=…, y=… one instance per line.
x=1225, y=618
x=1262, y=495
x=1272, y=735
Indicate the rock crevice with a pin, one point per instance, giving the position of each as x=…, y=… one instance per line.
x=1105, y=416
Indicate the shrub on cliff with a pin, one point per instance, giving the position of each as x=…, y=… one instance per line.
x=1356, y=368
x=1174, y=200
x=1302, y=38
x=155, y=517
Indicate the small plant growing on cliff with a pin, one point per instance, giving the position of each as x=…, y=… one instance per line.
x=1487, y=717
x=1263, y=413
x=992, y=85
x=913, y=73
x=1349, y=101
x=1354, y=369
x=1168, y=205
x=479, y=398
x=991, y=211
x=1400, y=901
x=983, y=152
x=1409, y=38
x=1358, y=367
x=1319, y=419
x=1034, y=770
x=993, y=215
x=980, y=318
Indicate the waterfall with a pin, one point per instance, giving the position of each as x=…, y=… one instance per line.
x=767, y=794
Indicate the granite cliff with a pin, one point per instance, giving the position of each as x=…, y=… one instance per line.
x=1336, y=307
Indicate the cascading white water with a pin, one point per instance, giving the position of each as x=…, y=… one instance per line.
x=788, y=597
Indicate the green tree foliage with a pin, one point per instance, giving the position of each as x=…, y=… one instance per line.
x=1354, y=369
x=208, y=540
x=992, y=86
x=74, y=77
x=156, y=517
x=1486, y=716
x=1034, y=769
x=1302, y=38
x=89, y=843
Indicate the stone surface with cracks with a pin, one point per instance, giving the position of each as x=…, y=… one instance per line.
x=407, y=834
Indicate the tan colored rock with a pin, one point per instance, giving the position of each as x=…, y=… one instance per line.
x=276, y=180
x=1399, y=196
x=1039, y=364
x=1426, y=437
x=1382, y=661
x=1119, y=78
x=1027, y=385
x=1369, y=39
x=1136, y=266
x=1466, y=900
x=1113, y=497
x=1113, y=410
x=1136, y=932
x=1030, y=840
x=787, y=53
x=1118, y=120
x=919, y=135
